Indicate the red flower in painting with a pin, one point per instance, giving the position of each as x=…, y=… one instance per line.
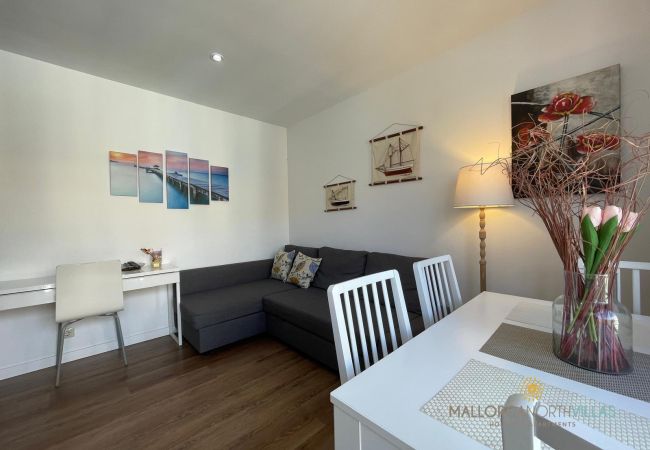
x=595, y=142
x=529, y=133
x=564, y=104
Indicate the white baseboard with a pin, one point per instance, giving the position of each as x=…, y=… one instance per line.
x=49, y=361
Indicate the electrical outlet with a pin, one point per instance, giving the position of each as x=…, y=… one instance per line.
x=69, y=332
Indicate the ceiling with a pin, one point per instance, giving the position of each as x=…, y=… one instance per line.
x=284, y=60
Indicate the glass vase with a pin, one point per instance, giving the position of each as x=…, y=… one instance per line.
x=156, y=259
x=591, y=328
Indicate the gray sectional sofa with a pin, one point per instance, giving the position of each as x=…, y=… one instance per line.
x=224, y=304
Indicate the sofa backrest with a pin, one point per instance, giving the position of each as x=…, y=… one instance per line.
x=339, y=265
x=215, y=277
x=308, y=251
x=378, y=262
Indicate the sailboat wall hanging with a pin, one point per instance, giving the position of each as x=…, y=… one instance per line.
x=396, y=156
x=339, y=196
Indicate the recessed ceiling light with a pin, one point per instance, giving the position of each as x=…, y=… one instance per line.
x=216, y=57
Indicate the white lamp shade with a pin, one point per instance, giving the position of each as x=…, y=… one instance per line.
x=483, y=186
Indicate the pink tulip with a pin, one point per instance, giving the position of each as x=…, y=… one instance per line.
x=612, y=211
x=630, y=221
x=595, y=215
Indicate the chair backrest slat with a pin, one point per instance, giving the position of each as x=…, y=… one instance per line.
x=353, y=336
x=433, y=293
x=439, y=283
x=618, y=283
x=438, y=289
x=636, y=291
x=455, y=289
x=353, y=331
x=389, y=316
x=403, y=320
x=371, y=328
x=380, y=321
x=450, y=299
x=362, y=328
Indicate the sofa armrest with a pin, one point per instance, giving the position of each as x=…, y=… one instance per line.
x=208, y=278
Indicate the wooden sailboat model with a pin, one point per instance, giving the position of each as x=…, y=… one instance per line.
x=394, y=162
x=339, y=197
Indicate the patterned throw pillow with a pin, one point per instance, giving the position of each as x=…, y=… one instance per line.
x=282, y=265
x=303, y=270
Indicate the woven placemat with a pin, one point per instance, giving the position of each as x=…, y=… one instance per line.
x=470, y=404
x=534, y=349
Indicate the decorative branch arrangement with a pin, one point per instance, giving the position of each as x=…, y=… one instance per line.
x=586, y=185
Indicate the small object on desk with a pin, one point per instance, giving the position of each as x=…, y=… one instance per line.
x=156, y=257
x=130, y=266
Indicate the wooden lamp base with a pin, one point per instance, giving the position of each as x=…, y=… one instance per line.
x=481, y=236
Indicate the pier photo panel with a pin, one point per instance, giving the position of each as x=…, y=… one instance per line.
x=219, y=189
x=177, y=180
x=199, y=181
x=150, y=177
x=123, y=169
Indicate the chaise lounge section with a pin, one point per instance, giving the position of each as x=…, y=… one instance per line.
x=224, y=304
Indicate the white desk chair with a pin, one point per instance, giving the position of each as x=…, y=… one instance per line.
x=523, y=429
x=355, y=328
x=438, y=289
x=87, y=290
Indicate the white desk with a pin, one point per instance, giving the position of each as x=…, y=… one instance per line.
x=380, y=408
x=41, y=291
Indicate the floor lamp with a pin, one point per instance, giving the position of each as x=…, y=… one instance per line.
x=483, y=185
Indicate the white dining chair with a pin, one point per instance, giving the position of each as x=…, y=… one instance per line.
x=87, y=290
x=522, y=428
x=438, y=289
x=636, y=268
x=358, y=324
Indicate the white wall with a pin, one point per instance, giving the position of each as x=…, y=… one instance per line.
x=56, y=127
x=462, y=99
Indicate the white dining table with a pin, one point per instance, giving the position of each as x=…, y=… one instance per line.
x=380, y=408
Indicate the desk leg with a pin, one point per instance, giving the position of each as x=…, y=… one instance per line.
x=179, y=327
x=174, y=299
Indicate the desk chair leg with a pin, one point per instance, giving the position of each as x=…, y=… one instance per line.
x=120, y=338
x=59, y=352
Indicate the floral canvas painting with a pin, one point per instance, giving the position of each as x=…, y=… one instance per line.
x=581, y=115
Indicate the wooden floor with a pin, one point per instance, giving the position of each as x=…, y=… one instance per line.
x=254, y=394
